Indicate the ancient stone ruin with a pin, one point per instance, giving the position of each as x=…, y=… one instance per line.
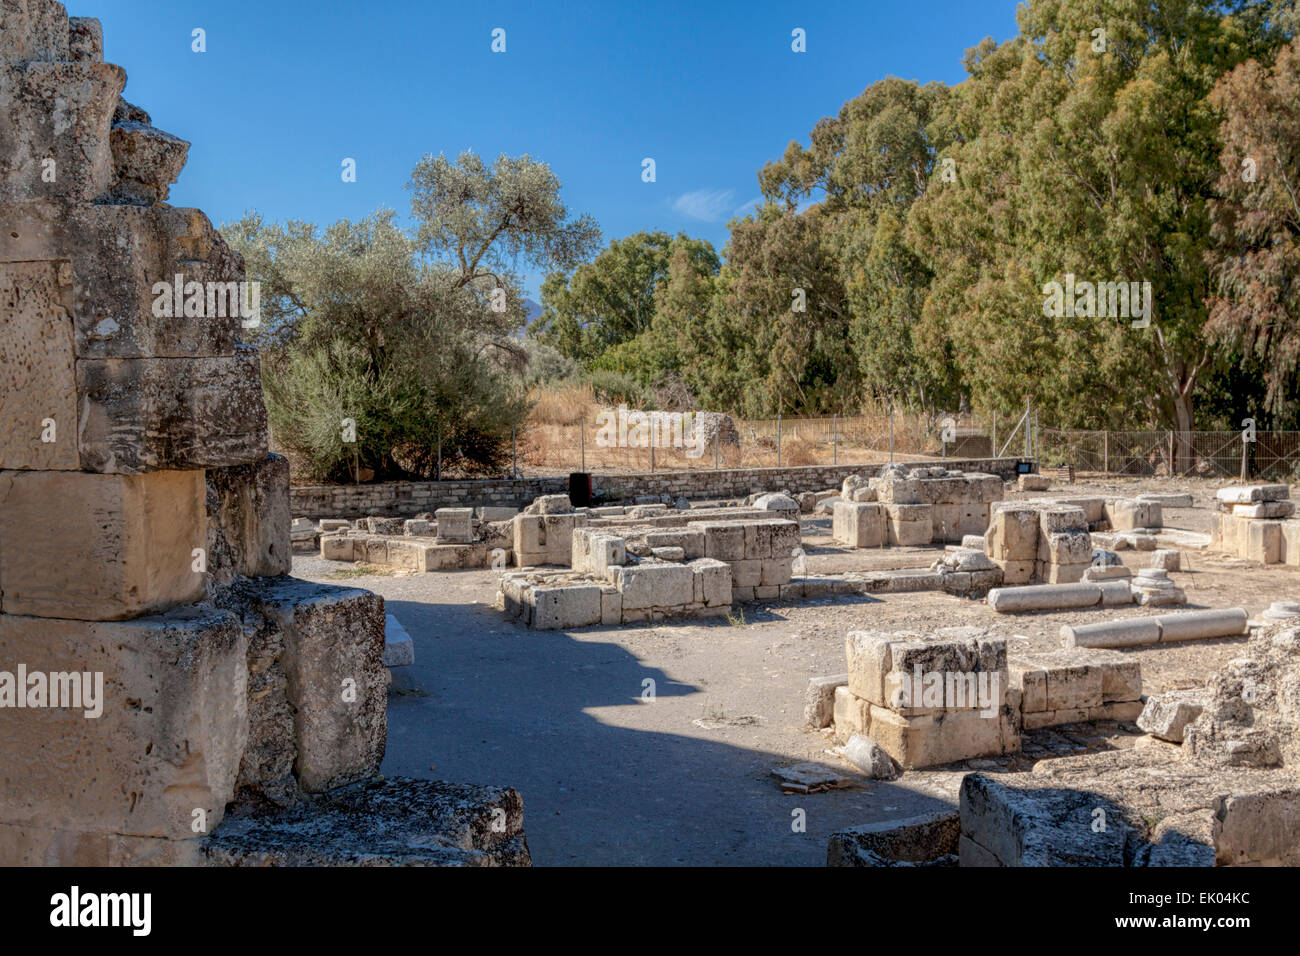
x=170, y=694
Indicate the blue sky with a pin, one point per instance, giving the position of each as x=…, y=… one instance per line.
x=288, y=88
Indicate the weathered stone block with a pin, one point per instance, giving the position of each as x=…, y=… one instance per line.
x=655, y=585
x=60, y=111
x=851, y=713
x=1013, y=534
x=330, y=643
x=455, y=525
x=141, y=415
x=166, y=733
x=248, y=520
x=100, y=547
x=1262, y=541
x=909, y=525
x=38, y=388
x=712, y=585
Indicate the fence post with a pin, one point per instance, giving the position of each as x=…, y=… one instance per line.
x=1105, y=451
x=582, y=443
x=514, y=453
x=652, y=447
x=891, y=434
x=1244, y=467
x=1171, y=453
x=439, y=452
x=716, y=432
x=778, y=439
x=1028, y=423
x=994, y=443
x=835, y=438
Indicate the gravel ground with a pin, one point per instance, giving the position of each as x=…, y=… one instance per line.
x=610, y=778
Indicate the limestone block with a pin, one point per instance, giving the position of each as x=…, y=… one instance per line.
x=1289, y=551
x=146, y=161
x=141, y=415
x=746, y=574
x=690, y=540
x=819, y=700
x=1013, y=534
x=99, y=547
x=1262, y=541
x=909, y=525
x=595, y=551
x=1066, y=547
x=248, y=520
x=611, y=606
x=337, y=547
x=929, y=740
x=774, y=572
x=1031, y=681
x=171, y=725
x=1034, y=482
x=411, y=527
x=60, y=111
x=1017, y=572
x=1250, y=494
x=376, y=551
x=899, y=491
x=646, y=586
x=118, y=254
x=713, y=587
x=851, y=713
x=399, y=649
x=1121, y=710
x=1072, y=687
x=1265, y=509
x=1062, y=518
x=455, y=525
x=34, y=31
x=879, y=662
x=1166, y=560
x=1094, y=509
x=1125, y=514
x=858, y=524
x=330, y=642
x=1167, y=715
x=38, y=388
x=1063, y=573
x=723, y=540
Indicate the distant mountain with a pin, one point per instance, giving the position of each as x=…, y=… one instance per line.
x=532, y=310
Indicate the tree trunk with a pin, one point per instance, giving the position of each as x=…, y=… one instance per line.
x=1183, y=421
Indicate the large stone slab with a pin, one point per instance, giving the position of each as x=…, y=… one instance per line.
x=100, y=547
x=248, y=520
x=328, y=642
x=140, y=415
x=38, y=387
x=118, y=255
x=399, y=822
x=161, y=758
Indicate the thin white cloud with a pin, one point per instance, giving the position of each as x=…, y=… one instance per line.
x=748, y=207
x=706, y=205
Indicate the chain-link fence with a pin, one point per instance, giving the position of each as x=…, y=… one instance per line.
x=1273, y=456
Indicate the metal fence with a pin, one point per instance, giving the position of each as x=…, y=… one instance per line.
x=1229, y=455
x=755, y=443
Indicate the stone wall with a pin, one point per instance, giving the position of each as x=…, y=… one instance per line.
x=409, y=498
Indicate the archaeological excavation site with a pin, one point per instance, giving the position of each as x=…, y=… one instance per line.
x=324, y=545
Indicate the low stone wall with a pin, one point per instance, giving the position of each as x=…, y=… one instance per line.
x=409, y=498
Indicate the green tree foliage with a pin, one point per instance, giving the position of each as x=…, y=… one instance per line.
x=610, y=301
x=410, y=335
x=1256, y=258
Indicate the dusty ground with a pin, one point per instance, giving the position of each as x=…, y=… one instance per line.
x=610, y=778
